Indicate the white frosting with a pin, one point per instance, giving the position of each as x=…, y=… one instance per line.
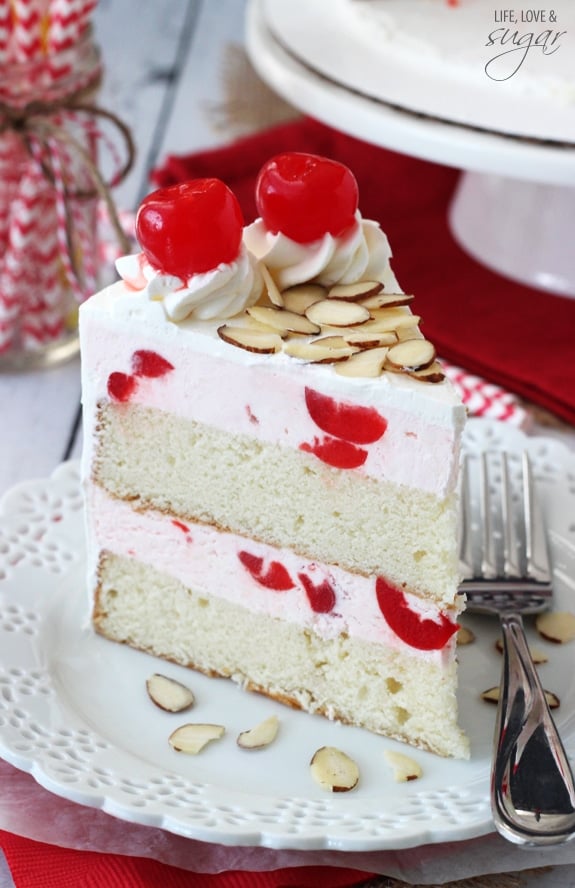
x=187, y=553
x=362, y=253
x=221, y=292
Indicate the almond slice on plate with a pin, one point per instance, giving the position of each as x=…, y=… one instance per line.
x=301, y=296
x=413, y=354
x=556, y=626
x=283, y=321
x=257, y=341
x=192, y=738
x=404, y=767
x=272, y=288
x=355, y=292
x=334, y=770
x=537, y=655
x=366, y=364
x=465, y=635
x=315, y=353
x=337, y=313
x=261, y=735
x=491, y=695
x=387, y=300
x=169, y=694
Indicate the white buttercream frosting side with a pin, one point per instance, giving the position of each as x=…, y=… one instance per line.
x=362, y=253
x=222, y=292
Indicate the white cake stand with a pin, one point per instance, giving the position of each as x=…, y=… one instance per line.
x=514, y=209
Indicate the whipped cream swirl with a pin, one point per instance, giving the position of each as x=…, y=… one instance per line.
x=221, y=292
x=362, y=253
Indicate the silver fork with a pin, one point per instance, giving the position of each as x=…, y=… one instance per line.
x=505, y=566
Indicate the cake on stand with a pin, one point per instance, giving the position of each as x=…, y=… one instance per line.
x=514, y=137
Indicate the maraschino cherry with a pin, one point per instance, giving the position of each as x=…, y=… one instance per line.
x=190, y=228
x=305, y=196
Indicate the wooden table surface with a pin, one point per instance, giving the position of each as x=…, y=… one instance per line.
x=164, y=77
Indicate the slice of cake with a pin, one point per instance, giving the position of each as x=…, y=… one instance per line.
x=271, y=456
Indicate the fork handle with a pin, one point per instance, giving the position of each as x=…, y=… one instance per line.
x=532, y=788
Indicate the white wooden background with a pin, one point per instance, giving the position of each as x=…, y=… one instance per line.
x=164, y=63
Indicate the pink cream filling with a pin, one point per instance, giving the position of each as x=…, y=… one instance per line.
x=266, y=580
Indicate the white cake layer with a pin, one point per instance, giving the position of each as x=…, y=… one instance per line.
x=210, y=562
x=262, y=396
x=282, y=497
x=387, y=691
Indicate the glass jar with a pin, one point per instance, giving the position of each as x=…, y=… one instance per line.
x=48, y=203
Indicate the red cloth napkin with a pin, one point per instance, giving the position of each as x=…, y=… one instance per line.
x=520, y=338
x=37, y=865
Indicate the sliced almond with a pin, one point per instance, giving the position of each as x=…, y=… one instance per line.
x=492, y=696
x=315, y=353
x=337, y=313
x=556, y=626
x=356, y=291
x=408, y=332
x=366, y=364
x=387, y=300
x=370, y=340
x=192, y=738
x=385, y=319
x=465, y=635
x=537, y=655
x=334, y=770
x=272, y=288
x=413, y=354
x=300, y=297
x=169, y=694
x=261, y=735
x=404, y=767
x=283, y=321
x=434, y=373
x=259, y=342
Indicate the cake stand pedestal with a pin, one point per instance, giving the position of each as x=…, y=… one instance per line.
x=514, y=208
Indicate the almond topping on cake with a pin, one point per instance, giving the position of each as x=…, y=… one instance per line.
x=320, y=351
x=272, y=289
x=413, y=354
x=387, y=300
x=299, y=298
x=355, y=292
x=259, y=342
x=366, y=364
x=282, y=320
x=337, y=313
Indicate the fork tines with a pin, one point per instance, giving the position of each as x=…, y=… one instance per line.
x=503, y=538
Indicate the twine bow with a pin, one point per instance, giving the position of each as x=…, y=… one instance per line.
x=41, y=126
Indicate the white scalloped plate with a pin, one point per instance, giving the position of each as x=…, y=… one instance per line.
x=74, y=711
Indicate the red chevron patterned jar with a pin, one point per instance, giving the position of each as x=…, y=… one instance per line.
x=48, y=195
